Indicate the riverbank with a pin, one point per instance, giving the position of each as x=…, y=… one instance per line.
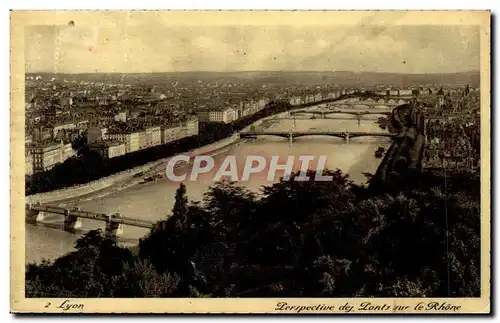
x=120, y=181
x=159, y=169
x=356, y=172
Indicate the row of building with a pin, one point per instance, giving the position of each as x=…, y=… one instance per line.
x=45, y=151
x=115, y=142
x=231, y=113
x=247, y=108
x=41, y=156
x=312, y=98
x=422, y=91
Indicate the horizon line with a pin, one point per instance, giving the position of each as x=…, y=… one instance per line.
x=255, y=71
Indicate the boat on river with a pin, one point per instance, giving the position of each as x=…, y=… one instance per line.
x=380, y=151
x=150, y=178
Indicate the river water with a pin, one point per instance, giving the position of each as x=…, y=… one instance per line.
x=154, y=200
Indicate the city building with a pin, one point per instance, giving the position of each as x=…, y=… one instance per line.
x=121, y=116
x=295, y=100
x=250, y=108
x=49, y=153
x=63, y=126
x=203, y=116
x=171, y=133
x=41, y=133
x=153, y=136
x=180, y=130
x=262, y=103
x=406, y=92
x=83, y=124
x=109, y=148
x=28, y=168
x=191, y=127
x=227, y=115
x=309, y=98
x=66, y=101
x=143, y=141
x=441, y=99
x=131, y=139
x=96, y=134
x=106, y=119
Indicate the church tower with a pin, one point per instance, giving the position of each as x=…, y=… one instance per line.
x=440, y=95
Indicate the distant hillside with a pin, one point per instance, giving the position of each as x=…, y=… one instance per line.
x=279, y=77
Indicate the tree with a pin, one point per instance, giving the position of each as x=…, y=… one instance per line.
x=142, y=280
x=93, y=270
x=230, y=206
x=179, y=211
x=79, y=144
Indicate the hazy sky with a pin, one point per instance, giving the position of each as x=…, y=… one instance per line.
x=157, y=48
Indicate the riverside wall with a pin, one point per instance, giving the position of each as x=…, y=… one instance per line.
x=87, y=188
x=122, y=177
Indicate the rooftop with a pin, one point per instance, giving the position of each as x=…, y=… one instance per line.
x=49, y=143
x=105, y=143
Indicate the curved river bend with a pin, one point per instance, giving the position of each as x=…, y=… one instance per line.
x=154, y=200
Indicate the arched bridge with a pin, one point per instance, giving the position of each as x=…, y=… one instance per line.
x=326, y=114
x=369, y=103
x=295, y=134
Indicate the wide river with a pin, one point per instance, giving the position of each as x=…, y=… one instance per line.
x=154, y=200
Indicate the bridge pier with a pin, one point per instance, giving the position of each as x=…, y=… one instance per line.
x=71, y=222
x=113, y=229
x=290, y=139
x=33, y=216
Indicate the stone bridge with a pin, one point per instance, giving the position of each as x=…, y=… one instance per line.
x=295, y=134
x=326, y=114
x=72, y=218
x=390, y=103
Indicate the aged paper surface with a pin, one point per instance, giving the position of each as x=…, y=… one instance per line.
x=104, y=99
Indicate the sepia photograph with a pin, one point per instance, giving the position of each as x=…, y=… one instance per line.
x=287, y=162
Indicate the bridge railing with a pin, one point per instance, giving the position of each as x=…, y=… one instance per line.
x=76, y=214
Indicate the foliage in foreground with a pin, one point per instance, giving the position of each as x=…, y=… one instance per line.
x=300, y=239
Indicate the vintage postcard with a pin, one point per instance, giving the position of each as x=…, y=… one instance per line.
x=286, y=162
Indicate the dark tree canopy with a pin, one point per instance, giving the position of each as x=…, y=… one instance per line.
x=295, y=239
